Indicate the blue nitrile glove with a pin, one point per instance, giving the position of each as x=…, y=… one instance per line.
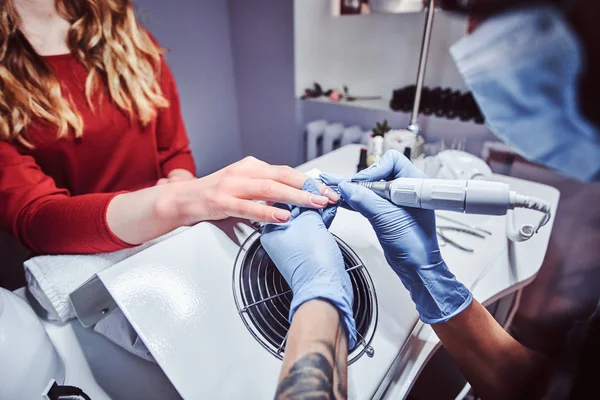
x=409, y=240
x=310, y=260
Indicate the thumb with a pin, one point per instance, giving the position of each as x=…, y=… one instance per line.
x=364, y=200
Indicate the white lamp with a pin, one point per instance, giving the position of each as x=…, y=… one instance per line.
x=28, y=359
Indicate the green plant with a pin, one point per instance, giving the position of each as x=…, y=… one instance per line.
x=381, y=128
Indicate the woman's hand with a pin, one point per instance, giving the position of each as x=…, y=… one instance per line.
x=143, y=215
x=176, y=175
x=231, y=191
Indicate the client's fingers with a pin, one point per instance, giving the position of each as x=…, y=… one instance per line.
x=291, y=177
x=328, y=213
x=269, y=190
x=254, y=211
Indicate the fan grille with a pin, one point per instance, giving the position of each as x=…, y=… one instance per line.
x=263, y=298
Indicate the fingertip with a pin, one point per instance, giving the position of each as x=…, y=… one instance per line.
x=280, y=215
x=318, y=201
x=331, y=195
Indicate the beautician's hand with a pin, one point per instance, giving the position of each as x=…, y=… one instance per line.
x=409, y=241
x=310, y=260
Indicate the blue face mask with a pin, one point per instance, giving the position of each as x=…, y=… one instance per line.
x=523, y=68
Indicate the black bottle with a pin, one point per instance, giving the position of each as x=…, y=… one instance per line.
x=435, y=97
x=426, y=102
x=453, y=104
x=396, y=101
x=408, y=98
x=444, y=102
x=464, y=107
x=362, y=160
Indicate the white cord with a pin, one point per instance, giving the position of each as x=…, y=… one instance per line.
x=464, y=392
x=527, y=230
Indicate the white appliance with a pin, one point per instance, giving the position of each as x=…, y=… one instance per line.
x=454, y=164
x=212, y=309
x=28, y=359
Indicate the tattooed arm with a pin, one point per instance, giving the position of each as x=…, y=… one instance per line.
x=316, y=355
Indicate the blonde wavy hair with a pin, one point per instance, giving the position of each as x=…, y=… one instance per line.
x=107, y=39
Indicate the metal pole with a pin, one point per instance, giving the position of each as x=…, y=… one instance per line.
x=414, y=125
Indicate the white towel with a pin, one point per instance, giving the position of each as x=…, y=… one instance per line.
x=52, y=278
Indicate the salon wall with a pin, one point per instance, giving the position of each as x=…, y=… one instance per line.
x=372, y=54
x=262, y=33
x=266, y=48
x=198, y=37
x=237, y=67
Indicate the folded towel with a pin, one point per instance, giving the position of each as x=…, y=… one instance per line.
x=51, y=279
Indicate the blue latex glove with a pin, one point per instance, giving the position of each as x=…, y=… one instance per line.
x=408, y=238
x=310, y=260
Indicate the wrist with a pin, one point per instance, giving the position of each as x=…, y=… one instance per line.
x=173, y=204
x=437, y=294
x=342, y=299
x=414, y=261
x=180, y=173
x=323, y=318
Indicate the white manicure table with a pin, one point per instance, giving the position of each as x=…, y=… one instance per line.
x=97, y=366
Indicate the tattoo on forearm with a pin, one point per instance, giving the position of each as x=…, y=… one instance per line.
x=314, y=376
x=311, y=377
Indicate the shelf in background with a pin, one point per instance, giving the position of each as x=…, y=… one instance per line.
x=381, y=104
x=366, y=113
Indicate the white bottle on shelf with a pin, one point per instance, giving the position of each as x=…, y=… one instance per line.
x=376, y=149
x=401, y=139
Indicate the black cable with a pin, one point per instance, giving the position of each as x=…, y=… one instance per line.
x=57, y=392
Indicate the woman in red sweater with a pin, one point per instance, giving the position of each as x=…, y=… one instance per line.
x=94, y=156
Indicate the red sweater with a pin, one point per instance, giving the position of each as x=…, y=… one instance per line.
x=54, y=197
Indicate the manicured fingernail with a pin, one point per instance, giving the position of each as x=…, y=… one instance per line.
x=333, y=196
x=281, y=215
x=318, y=200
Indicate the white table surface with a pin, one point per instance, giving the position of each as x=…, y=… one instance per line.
x=506, y=269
